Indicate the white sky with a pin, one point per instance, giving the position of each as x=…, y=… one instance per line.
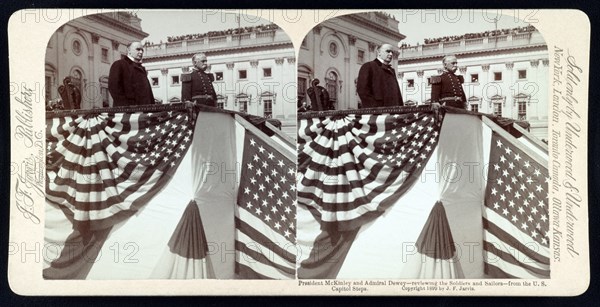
x=162, y=23
x=415, y=24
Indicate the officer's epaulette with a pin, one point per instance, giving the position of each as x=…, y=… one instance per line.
x=436, y=79
x=211, y=77
x=461, y=79
x=186, y=77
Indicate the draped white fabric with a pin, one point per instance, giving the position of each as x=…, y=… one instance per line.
x=215, y=180
x=462, y=187
x=173, y=266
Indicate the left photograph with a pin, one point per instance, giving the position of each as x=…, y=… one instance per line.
x=170, y=147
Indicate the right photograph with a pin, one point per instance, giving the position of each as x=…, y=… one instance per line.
x=422, y=147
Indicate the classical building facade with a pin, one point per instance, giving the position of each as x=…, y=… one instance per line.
x=505, y=74
x=254, y=69
x=84, y=50
x=334, y=51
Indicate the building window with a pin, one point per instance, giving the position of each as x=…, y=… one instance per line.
x=174, y=80
x=266, y=72
x=50, y=84
x=428, y=81
x=301, y=90
x=76, y=47
x=411, y=83
x=332, y=87
x=521, y=101
x=474, y=103
x=76, y=79
x=104, y=91
x=523, y=74
x=522, y=113
x=104, y=94
x=242, y=74
x=268, y=108
x=154, y=81
x=475, y=78
x=242, y=103
x=497, y=76
x=361, y=56
x=219, y=76
x=220, y=101
x=333, y=49
x=498, y=108
x=48, y=87
x=105, y=55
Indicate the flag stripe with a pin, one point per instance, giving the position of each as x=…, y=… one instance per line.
x=503, y=233
x=507, y=258
x=99, y=165
x=251, y=253
x=246, y=272
x=107, y=197
x=350, y=165
x=522, y=256
x=510, y=269
x=349, y=207
x=496, y=272
x=265, y=251
x=277, y=243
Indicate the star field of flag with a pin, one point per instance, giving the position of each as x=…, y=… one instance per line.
x=268, y=189
x=518, y=190
x=408, y=141
x=265, y=218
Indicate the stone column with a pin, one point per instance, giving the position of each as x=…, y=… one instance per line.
x=165, y=73
x=484, y=106
x=508, y=82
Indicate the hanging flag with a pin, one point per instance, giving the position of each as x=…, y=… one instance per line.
x=354, y=167
x=516, y=221
x=266, y=213
x=103, y=167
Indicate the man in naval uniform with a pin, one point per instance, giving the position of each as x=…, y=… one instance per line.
x=197, y=85
x=446, y=89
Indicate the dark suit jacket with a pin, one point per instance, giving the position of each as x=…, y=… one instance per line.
x=377, y=86
x=128, y=84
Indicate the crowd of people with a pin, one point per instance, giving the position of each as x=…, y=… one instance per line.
x=232, y=31
x=492, y=33
x=406, y=45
